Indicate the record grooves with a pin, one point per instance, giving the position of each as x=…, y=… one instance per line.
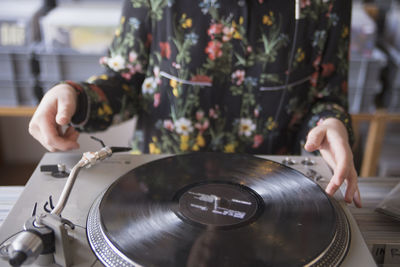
x=217, y=210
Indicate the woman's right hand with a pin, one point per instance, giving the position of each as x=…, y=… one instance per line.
x=54, y=111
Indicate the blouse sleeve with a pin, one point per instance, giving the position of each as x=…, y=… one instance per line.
x=329, y=90
x=115, y=95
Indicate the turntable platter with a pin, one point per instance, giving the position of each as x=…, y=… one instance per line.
x=209, y=209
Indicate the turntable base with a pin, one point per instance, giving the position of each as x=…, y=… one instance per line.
x=101, y=176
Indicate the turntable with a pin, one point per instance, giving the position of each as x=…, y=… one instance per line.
x=203, y=209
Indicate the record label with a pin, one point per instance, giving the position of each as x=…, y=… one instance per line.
x=218, y=204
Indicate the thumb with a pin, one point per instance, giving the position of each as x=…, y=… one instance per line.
x=66, y=106
x=315, y=138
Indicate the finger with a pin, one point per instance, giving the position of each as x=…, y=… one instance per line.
x=356, y=196
x=328, y=157
x=315, y=138
x=51, y=139
x=65, y=108
x=35, y=132
x=351, y=188
x=339, y=174
x=357, y=199
x=72, y=135
x=59, y=130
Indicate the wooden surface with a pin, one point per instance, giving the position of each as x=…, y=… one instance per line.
x=16, y=173
x=375, y=137
x=18, y=111
x=375, y=227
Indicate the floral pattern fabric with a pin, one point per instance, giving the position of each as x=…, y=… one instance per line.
x=209, y=75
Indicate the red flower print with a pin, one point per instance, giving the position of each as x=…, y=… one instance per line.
x=213, y=49
x=344, y=87
x=214, y=29
x=295, y=119
x=314, y=79
x=157, y=97
x=305, y=3
x=258, y=139
x=238, y=77
x=202, y=126
x=149, y=40
x=327, y=69
x=103, y=60
x=256, y=113
x=165, y=49
x=212, y=113
x=201, y=78
x=75, y=85
x=169, y=125
x=316, y=62
x=126, y=75
x=249, y=49
x=99, y=92
x=132, y=56
x=228, y=33
x=199, y=115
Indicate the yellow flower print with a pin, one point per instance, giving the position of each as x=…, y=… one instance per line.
x=184, y=142
x=271, y=124
x=195, y=147
x=200, y=141
x=118, y=30
x=154, y=139
x=153, y=149
x=174, y=84
x=266, y=20
x=187, y=23
x=105, y=109
x=241, y=20
x=300, y=55
x=345, y=32
x=234, y=25
x=103, y=77
x=184, y=138
x=236, y=35
x=125, y=87
x=229, y=148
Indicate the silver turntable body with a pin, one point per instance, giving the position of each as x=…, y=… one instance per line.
x=91, y=182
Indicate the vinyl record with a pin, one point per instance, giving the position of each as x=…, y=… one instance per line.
x=209, y=209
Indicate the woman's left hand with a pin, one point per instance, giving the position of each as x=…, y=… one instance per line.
x=331, y=139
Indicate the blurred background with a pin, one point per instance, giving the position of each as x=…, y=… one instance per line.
x=46, y=41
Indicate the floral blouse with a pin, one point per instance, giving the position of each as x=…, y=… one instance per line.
x=209, y=75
